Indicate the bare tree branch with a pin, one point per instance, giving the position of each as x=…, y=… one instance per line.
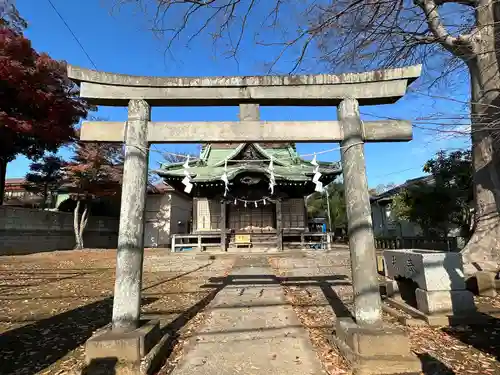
x=449, y=38
x=454, y=44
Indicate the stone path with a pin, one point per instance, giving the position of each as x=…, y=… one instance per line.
x=250, y=330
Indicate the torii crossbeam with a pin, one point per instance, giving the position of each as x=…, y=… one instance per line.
x=248, y=131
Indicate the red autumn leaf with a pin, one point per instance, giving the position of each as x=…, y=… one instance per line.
x=39, y=104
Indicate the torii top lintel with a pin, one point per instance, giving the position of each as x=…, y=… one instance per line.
x=369, y=88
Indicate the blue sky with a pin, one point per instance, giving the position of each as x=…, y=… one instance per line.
x=121, y=43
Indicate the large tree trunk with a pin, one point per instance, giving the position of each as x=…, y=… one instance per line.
x=3, y=173
x=482, y=250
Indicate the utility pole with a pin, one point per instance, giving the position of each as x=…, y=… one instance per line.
x=328, y=209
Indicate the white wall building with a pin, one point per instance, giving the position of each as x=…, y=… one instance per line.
x=167, y=212
x=385, y=222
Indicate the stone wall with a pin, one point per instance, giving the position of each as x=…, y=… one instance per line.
x=25, y=231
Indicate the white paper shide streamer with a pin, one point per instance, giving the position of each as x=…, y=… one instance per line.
x=225, y=179
x=317, y=176
x=272, y=179
x=187, y=177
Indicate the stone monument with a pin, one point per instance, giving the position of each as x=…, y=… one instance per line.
x=439, y=276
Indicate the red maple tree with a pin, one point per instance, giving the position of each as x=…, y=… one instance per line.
x=39, y=104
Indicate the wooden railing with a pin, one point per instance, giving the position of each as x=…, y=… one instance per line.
x=443, y=244
x=314, y=240
x=197, y=241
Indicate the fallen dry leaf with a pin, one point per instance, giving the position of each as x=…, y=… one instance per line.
x=51, y=303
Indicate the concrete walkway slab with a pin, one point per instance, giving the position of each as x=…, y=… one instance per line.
x=250, y=330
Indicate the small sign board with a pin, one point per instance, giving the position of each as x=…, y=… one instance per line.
x=242, y=239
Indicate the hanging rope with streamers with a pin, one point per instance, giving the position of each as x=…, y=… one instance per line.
x=225, y=179
x=187, y=177
x=317, y=176
x=272, y=179
x=264, y=201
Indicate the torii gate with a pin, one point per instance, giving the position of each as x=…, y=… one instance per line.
x=347, y=91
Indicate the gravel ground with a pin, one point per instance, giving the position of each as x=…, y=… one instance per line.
x=442, y=351
x=318, y=288
x=51, y=303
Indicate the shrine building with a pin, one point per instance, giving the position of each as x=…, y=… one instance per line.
x=250, y=191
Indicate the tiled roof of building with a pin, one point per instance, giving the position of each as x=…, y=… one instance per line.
x=160, y=188
x=391, y=192
x=12, y=181
x=14, y=184
x=210, y=166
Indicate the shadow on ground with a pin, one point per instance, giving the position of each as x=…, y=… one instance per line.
x=33, y=347
x=216, y=284
x=484, y=337
x=433, y=366
x=102, y=366
x=335, y=302
x=38, y=278
x=270, y=279
x=173, y=328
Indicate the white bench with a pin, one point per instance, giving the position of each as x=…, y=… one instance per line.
x=200, y=245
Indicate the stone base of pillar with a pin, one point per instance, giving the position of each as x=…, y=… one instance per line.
x=381, y=350
x=445, y=302
x=483, y=283
x=411, y=316
x=137, y=352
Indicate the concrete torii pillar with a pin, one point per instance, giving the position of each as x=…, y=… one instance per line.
x=371, y=345
x=367, y=301
x=130, y=253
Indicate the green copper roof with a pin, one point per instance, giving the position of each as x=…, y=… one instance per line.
x=200, y=174
x=214, y=156
x=210, y=165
